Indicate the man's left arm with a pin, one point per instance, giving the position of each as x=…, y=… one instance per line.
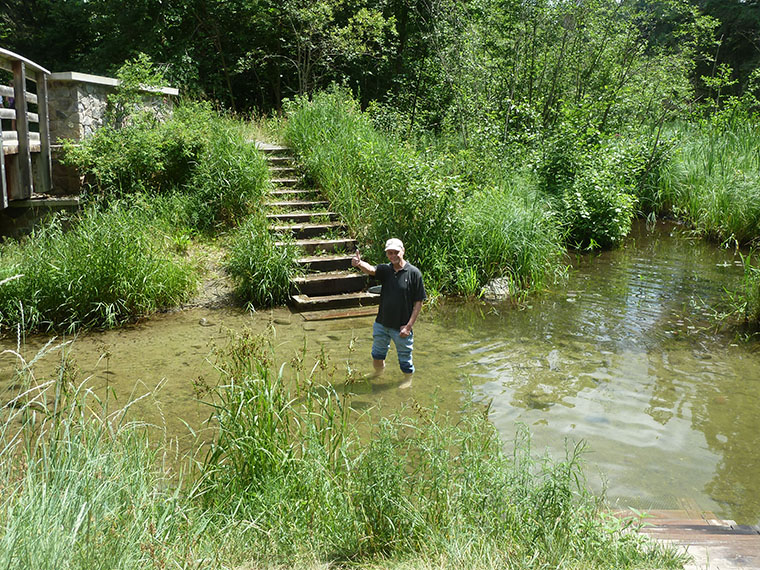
x=406, y=330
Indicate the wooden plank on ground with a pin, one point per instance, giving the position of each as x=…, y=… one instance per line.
x=713, y=543
x=339, y=314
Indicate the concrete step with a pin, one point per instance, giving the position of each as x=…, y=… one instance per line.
x=325, y=262
x=285, y=182
x=301, y=231
x=324, y=245
x=298, y=204
x=330, y=283
x=360, y=299
x=303, y=217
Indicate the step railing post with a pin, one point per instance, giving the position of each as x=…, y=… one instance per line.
x=24, y=156
x=44, y=161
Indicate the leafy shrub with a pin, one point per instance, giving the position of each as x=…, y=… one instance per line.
x=195, y=152
x=594, y=183
x=101, y=268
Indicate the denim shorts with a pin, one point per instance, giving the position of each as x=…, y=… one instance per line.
x=381, y=342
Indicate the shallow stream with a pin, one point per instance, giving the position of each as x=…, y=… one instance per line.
x=625, y=356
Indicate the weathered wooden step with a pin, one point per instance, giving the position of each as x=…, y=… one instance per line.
x=334, y=262
x=307, y=230
x=360, y=299
x=271, y=148
x=298, y=204
x=344, y=313
x=323, y=245
x=285, y=181
x=283, y=171
x=330, y=283
x=294, y=193
x=303, y=217
x=279, y=159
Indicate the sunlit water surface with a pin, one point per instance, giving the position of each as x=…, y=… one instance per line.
x=625, y=357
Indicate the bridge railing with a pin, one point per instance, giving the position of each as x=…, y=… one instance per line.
x=25, y=166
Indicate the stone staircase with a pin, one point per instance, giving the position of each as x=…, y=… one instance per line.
x=302, y=214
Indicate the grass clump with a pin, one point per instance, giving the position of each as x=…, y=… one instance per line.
x=260, y=268
x=289, y=482
x=713, y=179
x=81, y=486
x=101, y=268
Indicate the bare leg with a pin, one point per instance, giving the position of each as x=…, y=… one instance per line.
x=379, y=366
x=407, y=383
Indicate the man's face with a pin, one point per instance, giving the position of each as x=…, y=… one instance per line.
x=395, y=256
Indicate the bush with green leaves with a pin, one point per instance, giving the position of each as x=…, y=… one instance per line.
x=100, y=268
x=196, y=152
x=595, y=182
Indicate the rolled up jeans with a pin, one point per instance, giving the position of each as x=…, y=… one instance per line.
x=381, y=342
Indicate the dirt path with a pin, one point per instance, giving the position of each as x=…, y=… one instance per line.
x=216, y=289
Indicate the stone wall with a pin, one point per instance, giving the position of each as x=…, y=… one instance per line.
x=77, y=103
x=76, y=109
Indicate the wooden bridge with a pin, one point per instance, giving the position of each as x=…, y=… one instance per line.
x=25, y=165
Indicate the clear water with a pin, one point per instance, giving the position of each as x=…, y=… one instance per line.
x=625, y=357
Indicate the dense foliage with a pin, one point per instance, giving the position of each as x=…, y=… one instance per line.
x=519, y=60
x=103, y=267
x=384, y=187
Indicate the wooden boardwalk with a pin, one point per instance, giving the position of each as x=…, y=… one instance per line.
x=713, y=543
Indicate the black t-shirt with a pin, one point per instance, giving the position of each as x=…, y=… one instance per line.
x=401, y=289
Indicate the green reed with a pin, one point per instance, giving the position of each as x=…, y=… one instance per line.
x=260, y=268
x=99, y=268
x=82, y=488
x=384, y=187
x=713, y=180
x=423, y=489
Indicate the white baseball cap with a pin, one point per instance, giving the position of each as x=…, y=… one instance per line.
x=394, y=244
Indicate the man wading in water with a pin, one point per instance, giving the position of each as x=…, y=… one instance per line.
x=401, y=299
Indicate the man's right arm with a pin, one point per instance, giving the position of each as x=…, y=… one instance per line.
x=356, y=261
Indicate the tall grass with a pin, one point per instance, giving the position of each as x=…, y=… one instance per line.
x=82, y=488
x=102, y=268
x=713, y=180
x=383, y=187
x=424, y=487
x=260, y=269
x=289, y=483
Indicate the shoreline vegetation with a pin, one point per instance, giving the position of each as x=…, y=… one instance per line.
x=156, y=189
x=289, y=481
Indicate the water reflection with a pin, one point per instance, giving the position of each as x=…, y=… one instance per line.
x=624, y=357
x=627, y=359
